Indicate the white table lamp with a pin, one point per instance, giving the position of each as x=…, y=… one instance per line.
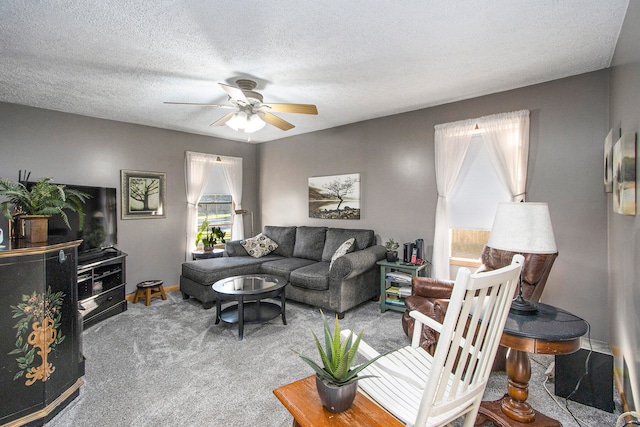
x=524, y=228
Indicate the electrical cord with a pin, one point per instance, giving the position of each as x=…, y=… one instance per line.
x=579, y=421
x=586, y=371
x=538, y=362
x=565, y=407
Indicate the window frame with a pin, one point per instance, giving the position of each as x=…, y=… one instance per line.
x=229, y=224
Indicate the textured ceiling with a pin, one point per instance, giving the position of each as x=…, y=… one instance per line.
x=356, y=60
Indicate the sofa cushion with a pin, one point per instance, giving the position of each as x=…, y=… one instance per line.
x=284, y=267
x=259, y=245
x=343, y=249
x=310, y=243
x=285, y=237
x=337, y=236
x=208, y=271
x=314, y=276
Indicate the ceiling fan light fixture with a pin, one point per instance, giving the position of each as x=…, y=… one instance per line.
x=238, y=121
x=251, y=113
x=254, y=123
x=241, y=121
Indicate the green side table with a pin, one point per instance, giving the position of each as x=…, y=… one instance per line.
x=390, y=297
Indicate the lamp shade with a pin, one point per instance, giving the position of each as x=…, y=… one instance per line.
x=524, y=228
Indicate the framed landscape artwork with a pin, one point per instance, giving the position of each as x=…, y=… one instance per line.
x=608, y=162
x=335, y=196
x=143, y=194
x=624, y=175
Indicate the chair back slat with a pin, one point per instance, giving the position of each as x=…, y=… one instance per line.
x=469, y=340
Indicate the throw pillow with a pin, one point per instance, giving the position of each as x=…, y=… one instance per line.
x=259, y=245
x=342, y=250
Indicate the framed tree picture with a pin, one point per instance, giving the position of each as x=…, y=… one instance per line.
x=143, y=194
x=335, y=197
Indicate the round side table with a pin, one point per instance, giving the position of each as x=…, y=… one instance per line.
x=216, y=253
x=550, y=331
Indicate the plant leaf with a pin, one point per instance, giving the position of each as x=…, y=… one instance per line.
x=327, y=338
x=323, y=355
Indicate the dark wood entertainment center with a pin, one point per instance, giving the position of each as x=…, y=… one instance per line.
x=51, y=293
x=101, y=286
x=41, y=361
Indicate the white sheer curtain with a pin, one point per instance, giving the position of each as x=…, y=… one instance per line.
x=197, y=168
x=232, y=168
x=451, y=143
x=506, y=137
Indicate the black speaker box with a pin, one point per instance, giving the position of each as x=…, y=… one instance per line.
x=596, y=388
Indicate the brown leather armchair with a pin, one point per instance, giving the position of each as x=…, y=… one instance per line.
x=430, y=296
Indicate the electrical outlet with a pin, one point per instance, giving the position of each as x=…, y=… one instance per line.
x=550, y=373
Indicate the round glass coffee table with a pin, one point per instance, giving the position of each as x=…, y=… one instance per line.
x=248, y=291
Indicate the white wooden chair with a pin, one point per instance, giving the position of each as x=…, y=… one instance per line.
x=424, y=390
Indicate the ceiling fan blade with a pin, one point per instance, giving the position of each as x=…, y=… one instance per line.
x=293, y=108
x=277, y=121
x=222, y=120
x=228, y=107
x=235, y=93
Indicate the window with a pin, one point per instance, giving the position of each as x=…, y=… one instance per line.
x=217, y=210
x=467, y=244
x=505, y=139
x=473, y=203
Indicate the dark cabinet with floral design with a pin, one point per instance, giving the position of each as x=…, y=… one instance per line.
x=41, y=361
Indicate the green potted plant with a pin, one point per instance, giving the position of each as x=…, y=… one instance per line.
x=34, y=206
x=392, y=250
x=336, y=379
x=210, y=237
x=202, y=232
x=218, y=234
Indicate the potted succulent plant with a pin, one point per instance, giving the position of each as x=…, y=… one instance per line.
x=35, y=205
x=392, y=250
x=336, y=379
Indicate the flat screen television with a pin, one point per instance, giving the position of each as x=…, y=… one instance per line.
x=100, y=223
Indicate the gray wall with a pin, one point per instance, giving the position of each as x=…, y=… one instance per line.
x=624, y=231
x=395, y=158
x=80, y=150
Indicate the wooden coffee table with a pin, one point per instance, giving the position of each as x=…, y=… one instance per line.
x=248, y=291
x=302, y=400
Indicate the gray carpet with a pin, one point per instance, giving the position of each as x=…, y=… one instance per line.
x=169, y=365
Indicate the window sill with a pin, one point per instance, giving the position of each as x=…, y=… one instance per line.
x=465, y=262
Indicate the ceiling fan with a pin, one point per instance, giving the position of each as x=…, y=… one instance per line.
x=251, y=114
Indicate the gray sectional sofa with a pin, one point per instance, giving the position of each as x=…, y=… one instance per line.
x=303, y=257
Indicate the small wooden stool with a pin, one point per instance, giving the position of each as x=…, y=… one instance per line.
x=149, y=289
